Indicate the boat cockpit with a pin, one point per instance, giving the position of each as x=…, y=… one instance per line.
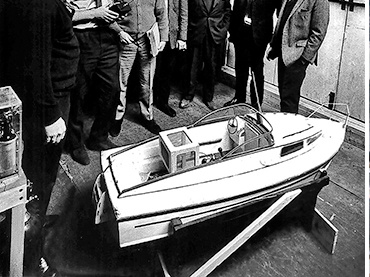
x=224, y=133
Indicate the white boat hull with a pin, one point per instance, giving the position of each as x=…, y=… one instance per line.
x=158, y=226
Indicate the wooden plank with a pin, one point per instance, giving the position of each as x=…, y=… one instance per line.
x=12, y=181
x=324, y=231
x=240, y=239
x=17, y=240
x=13, y=197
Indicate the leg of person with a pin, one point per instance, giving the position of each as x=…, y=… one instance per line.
x=126, y=58
x=193, y=65
x=258, y=78
x=241, y=79
x=210, y=66
x=89, y=55
x=290, y=79
x=40, y=163
x=161, y=85
x=48, y=265
x=106, y=79
x=162, y=78
x=146, y=77
x=180, y=77
x=242, y=64
x=76, y=123
x=159, y=80
x=33, y=145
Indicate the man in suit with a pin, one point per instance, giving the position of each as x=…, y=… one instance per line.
x=178, y=28
x=299, y=33
x=251, y=28
x=39, y=55
x=208, y=24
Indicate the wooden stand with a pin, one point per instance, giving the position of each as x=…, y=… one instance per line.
x=240, y=239
x=303, y=206
x=324, y=231
x=13, y=196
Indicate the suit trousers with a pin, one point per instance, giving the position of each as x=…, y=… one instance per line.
x=137, y=52
x=290, y=79
x=249, y=55
x=97, y=86
x=40, y=163
x=165, y=63
x=202, y=57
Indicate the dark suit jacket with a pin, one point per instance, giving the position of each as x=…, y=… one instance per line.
x=208, y=16
x=261, y=13
x=178, y=21
x=39, y=55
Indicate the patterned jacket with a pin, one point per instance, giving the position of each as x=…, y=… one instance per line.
x=304, y=31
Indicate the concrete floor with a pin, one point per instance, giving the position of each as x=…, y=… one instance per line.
x=85, y=249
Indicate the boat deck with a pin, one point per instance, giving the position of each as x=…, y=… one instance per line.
x=279, y=249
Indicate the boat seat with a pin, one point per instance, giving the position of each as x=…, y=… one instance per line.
x=236, y=129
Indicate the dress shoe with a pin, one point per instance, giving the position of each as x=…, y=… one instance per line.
x=210, y=105
x=115, y=127
x=152, y=126
x=232, y=102
x=184, y=103
x=165, y=108
x=33, y=219
x=80, y=155
x=99, y=145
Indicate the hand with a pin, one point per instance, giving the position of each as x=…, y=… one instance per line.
x=180, y=44
x=56, y=131
x=162, y=44
x=106, y=14
x=125, y=37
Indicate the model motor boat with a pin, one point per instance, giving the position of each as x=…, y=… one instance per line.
x=230, y=158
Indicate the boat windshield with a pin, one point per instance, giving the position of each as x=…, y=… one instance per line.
x=226, y=113
x=247, y=127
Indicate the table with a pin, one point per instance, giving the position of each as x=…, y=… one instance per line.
x=13, y=197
